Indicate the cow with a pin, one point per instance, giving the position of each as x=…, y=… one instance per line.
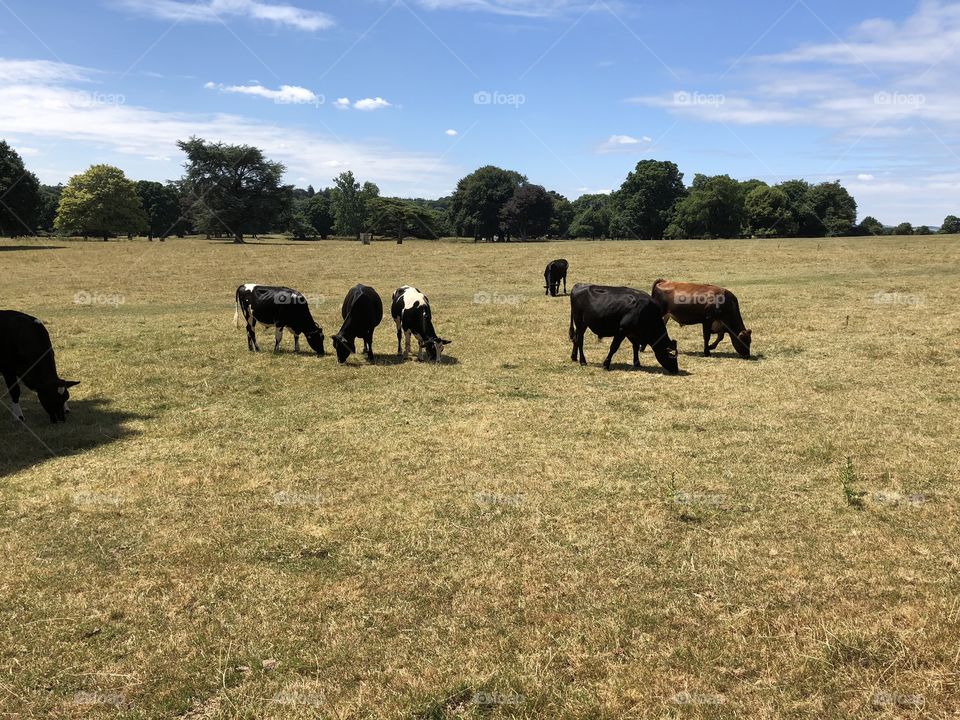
x=620, y=312
x=715, y=308
x=362, y=311
x=280, y=307
x=555, y=272
x=26, y=356
x=410, y=310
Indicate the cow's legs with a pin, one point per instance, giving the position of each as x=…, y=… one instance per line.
x=279, y=336
x=252, y=336
x=580, y=334
x=713, y=346
x=564, y=284
x=296, y=342
x=706, y=339
x=13, y=386
x=399, y=334
x=636, y=354
x=368, y=346
x=406, y=336
x=614, y=346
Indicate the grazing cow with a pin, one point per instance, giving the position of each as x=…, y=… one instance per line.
x=620, y=312
x=362, y=311
x=26, y=356
x=715, y=308
x=555, y=272
x=280, y=307
x=410, y=310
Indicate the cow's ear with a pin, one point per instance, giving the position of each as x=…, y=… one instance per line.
x=68, y=383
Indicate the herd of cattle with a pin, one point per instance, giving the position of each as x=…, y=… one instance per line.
x=620, y=313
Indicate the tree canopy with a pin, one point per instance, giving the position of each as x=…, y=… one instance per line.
x=479, y=199
x=643, y=205
x=100, y=202
x=20, y=198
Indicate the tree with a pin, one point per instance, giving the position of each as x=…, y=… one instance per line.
x=922, y=230
x=642, y=207
x=49, y=202
x=561, y=216
x=319, y=214
x=100, y=202
x=20, y=199
x=803, y=217
x=480, y=196
x=162, y=205
x=870, y=226
x=713, y=208
x=591, y=217
x=528, y=212
x=834, y=207
x=768, y=213
x=903, y=228
x=951, y=224
x=347, y=201
x=232, y=188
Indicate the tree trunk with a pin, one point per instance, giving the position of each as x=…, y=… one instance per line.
x=238, y=238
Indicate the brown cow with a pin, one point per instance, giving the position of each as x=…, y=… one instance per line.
x=715, y=308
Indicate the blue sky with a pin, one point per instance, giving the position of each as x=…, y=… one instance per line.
x=413, y=94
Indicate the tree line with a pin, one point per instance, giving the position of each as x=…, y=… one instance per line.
x=235, y=191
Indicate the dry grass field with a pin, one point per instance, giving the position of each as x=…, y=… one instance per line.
x=221, y=534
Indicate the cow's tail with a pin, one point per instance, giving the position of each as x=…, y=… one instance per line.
x=573, y=331
x=236, y=313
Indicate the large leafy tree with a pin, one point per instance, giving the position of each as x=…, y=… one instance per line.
x=528, y=212
x=20, y=199
x=401, y=218
x=903, y=228
x=349, y=205
x=870, y=226
x=562, y=215
x=232, y=189
x=591, y=217
x=951, y=224
x=804, y=219
x=834, y=208
x=641, y=208
x=768, y=213
x=480, y=196
x=713, y=208
x=162, y=205
x=49, y=202
x=100, y=202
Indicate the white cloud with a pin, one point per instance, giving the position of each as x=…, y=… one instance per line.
x=520, y=8
x=62, y=113
x=286, y=95
x=368, y=104
x=624, y=143
x=866, y=177
x=27, y=151
x=451, y=132
x=217, y=10
x=342, y=103
x=40, y=71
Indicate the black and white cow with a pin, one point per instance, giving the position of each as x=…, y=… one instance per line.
x=26, y=356
x=555, y=272
x=362, y=311
x=281, y=308
x=620, y=313
x=410, y=310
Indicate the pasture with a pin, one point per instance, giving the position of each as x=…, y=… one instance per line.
x=220, y=534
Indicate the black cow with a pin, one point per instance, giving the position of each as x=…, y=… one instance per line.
x=555, y=272
x=410, y=310
x=362, y=311
x=280, y=307
x=620, y=312
x=26, y=356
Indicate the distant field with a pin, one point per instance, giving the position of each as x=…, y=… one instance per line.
x=219, y=534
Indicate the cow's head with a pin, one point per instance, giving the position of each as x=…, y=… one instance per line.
x=315, y=340
x=343, y=347
x=741, y=342
x=666, y=353
x=434, y=347
x=53, y=397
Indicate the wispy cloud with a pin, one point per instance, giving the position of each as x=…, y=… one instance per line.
x=624, y=144
x=518, y=8
x=216, y=10
x=285, y=95
x=366, y=104
x=41, y=71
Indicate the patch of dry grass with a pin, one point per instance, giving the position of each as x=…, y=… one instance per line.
x=220, y=534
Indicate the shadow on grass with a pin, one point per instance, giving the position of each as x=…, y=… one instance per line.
x=723, y=355
x=6, y=248
x=652, y=369
x=91, y=423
